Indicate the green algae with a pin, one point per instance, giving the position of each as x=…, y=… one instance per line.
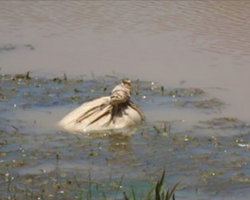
x=53, y=164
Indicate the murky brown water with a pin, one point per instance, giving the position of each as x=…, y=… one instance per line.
x=204, y=43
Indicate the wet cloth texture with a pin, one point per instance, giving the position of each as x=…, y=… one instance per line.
x=116, y=111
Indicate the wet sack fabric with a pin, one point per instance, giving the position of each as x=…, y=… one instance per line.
x=116, y=111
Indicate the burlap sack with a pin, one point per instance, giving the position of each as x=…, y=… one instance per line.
x=116, y=111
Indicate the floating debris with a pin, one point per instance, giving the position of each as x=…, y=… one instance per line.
x=11, y=47
x=22, y=76
x=225, y=123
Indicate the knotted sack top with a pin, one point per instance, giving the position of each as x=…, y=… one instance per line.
x=116, y=111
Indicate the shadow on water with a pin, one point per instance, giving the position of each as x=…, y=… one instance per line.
x=209, y=156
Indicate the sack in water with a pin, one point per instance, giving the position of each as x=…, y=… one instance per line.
x=116, y=111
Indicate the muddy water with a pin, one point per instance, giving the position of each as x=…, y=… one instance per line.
x=205, y=44
x=210, y=158
x=176, y=43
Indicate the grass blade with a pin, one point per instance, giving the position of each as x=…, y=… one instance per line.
x=125, y=196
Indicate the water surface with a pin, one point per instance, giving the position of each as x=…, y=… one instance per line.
x=202, y=43
x=190, y=44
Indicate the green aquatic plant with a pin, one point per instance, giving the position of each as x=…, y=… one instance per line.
x=25, y=146
x=184, y=92
x=208, y=104
x=158, y=192
x=224, y=123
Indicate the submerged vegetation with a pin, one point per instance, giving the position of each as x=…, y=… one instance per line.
x=61, y=90
x=38, y=162
x=156, y=193
x=11, y=47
